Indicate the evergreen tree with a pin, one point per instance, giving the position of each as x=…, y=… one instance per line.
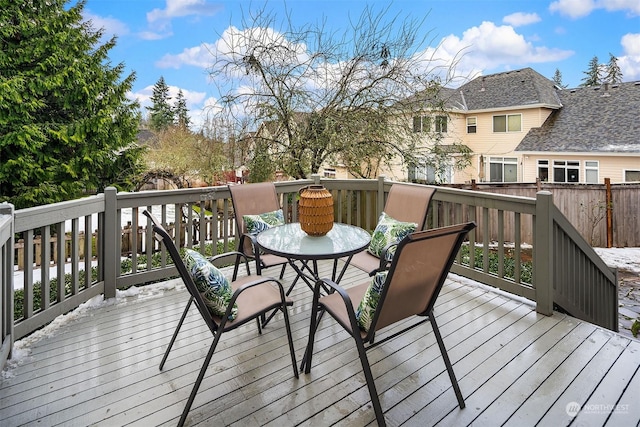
x=592, y=77
x=261, y=165
x=614, y=74
x=66, y=124
x=181, y=112
x=557, y=79
x=160, y=113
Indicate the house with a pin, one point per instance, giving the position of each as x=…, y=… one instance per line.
x=519, y=127
x=594, y=135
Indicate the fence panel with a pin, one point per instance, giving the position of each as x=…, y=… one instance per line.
x=585, y=206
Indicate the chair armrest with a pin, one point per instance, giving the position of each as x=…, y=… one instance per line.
x=343, y=294
x=230, y=253
x=384, y=264
x=259, y=281
x=254, y=245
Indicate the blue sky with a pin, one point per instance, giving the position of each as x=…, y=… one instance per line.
x=174, y=38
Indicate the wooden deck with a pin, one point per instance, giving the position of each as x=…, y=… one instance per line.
x=515, y=367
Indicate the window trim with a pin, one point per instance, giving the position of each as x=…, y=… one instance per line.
x=566, y=166
x=542, y=163
x=595, y=168
x=501, y=161
x=425, y=124
x=439, y=122
x=624, y=174
x=329, y=173
x=506, y=123
x=474, y=125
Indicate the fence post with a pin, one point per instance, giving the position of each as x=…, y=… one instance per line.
x=609, y=211
x=111, y=255
x=543, y=253
x=6, y=281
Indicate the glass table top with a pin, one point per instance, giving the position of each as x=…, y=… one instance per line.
x=290, y=241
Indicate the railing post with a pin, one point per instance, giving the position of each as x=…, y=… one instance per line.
x=111, y=235
x=544, y=253
x=6, y=281
x=381, y=180
x=316, y=179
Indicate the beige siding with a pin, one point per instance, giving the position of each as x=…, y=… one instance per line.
x=487, y=143
x=611, y=167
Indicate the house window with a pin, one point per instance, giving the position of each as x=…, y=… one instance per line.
x=543, y=170
x=591, y=171
x=507, y=123
x=441, y=124
x=425, y=172
x=632, y=175
x=421, y=124
x=566, y=171
x=503, y=169
x=329, y=173
x=471, y=124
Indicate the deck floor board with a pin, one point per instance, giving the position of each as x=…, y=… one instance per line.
x=514, y=366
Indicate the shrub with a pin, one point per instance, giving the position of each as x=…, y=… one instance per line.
x=526, y=267
x=125, y=268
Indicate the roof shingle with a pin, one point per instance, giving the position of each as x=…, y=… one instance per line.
x=592, y=119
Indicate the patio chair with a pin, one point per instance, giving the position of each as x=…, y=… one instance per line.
x=407, y=203
x=253, y=296
x=254, y=199
x=410, y=287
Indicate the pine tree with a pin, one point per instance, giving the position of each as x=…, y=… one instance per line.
x=614, y=74
x=66, y=124
x=557, y=79
x=181, y=112
x=160, y=113
x=592, y=74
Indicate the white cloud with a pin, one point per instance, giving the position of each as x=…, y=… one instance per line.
x=488, y=46
x=111, y=26
x=519, y=19
x=179, y=8
x=632, y=6
x=152, y=35
x=631, y=44
x=580, y=8
x=232, y=45
x=573, y=8
x=198, y=56
x=629, y=63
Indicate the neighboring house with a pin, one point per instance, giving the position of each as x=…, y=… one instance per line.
x=519, y=127
x=595, y=135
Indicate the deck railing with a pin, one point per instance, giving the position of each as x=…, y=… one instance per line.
x=99, y=234
x=6, y=282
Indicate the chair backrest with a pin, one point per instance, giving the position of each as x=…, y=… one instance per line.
x=252, y=199
x=418, y=271
x=409, y=203
x=163, y=236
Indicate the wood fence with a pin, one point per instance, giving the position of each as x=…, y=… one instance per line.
x=606, y=215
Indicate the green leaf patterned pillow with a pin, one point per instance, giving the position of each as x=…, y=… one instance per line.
x=211, y=283
x=369, y=304
x=389, y=231
x=258, y=223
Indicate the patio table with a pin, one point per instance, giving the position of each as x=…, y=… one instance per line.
x=291, y=242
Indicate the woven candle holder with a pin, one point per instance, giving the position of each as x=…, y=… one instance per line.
x=315, y=211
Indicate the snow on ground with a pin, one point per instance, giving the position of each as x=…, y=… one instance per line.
x=627, y=259
x=22, y=348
